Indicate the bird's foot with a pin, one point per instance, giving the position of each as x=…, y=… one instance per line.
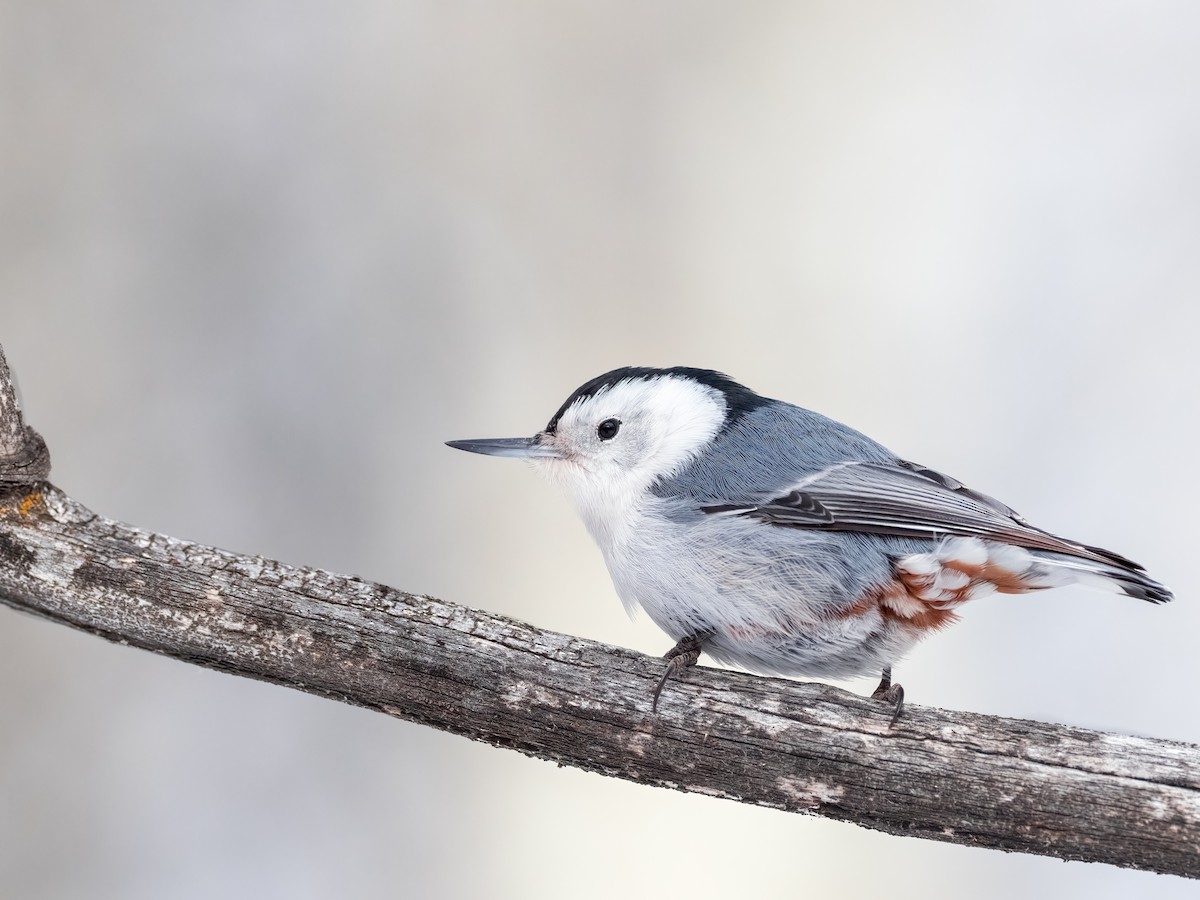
x=892, y=694
x=682, y=656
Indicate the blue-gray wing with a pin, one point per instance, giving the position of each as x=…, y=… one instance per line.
x=904, y=500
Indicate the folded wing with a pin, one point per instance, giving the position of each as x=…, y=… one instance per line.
x=906, y=500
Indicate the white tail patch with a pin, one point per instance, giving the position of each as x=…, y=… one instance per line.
x=963, y=568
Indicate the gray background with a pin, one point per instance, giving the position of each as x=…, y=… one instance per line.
x=259, y=259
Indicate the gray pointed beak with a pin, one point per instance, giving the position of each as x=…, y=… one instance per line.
x=523, y=448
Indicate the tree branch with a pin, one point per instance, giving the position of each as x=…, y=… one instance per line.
x=949, y=776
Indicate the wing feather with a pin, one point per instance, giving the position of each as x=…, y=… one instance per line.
x=906, y=500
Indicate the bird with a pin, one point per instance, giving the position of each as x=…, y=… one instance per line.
x=775, y=539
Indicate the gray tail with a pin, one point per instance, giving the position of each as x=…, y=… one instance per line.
x=1113, y=572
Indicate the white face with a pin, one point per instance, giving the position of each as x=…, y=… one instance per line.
x=613, y=445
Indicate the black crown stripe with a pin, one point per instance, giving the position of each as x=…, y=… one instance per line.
x=739, y=399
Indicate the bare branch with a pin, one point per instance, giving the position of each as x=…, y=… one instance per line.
x=949, y=776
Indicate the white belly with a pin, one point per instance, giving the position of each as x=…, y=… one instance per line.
x=763, y=609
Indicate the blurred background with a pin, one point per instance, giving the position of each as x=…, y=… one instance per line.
x=258, y=259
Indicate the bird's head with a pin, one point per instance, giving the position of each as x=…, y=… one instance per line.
x=619, y=433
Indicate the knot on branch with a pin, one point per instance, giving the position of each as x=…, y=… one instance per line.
x=24, y=457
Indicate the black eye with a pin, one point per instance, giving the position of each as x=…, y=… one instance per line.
x=607, y=430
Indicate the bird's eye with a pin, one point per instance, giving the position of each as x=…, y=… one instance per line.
x=607, y=430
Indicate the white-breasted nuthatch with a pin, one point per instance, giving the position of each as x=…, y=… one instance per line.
x=773, y=538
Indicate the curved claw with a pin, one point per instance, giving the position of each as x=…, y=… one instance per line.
x=675, y=664
x=890, y=693
x=682, y=656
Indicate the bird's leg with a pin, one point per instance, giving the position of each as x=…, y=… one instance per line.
x=682, y=656
x=890, y=693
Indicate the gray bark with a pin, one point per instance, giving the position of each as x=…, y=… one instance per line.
x=23, y=455
x=949, y=776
